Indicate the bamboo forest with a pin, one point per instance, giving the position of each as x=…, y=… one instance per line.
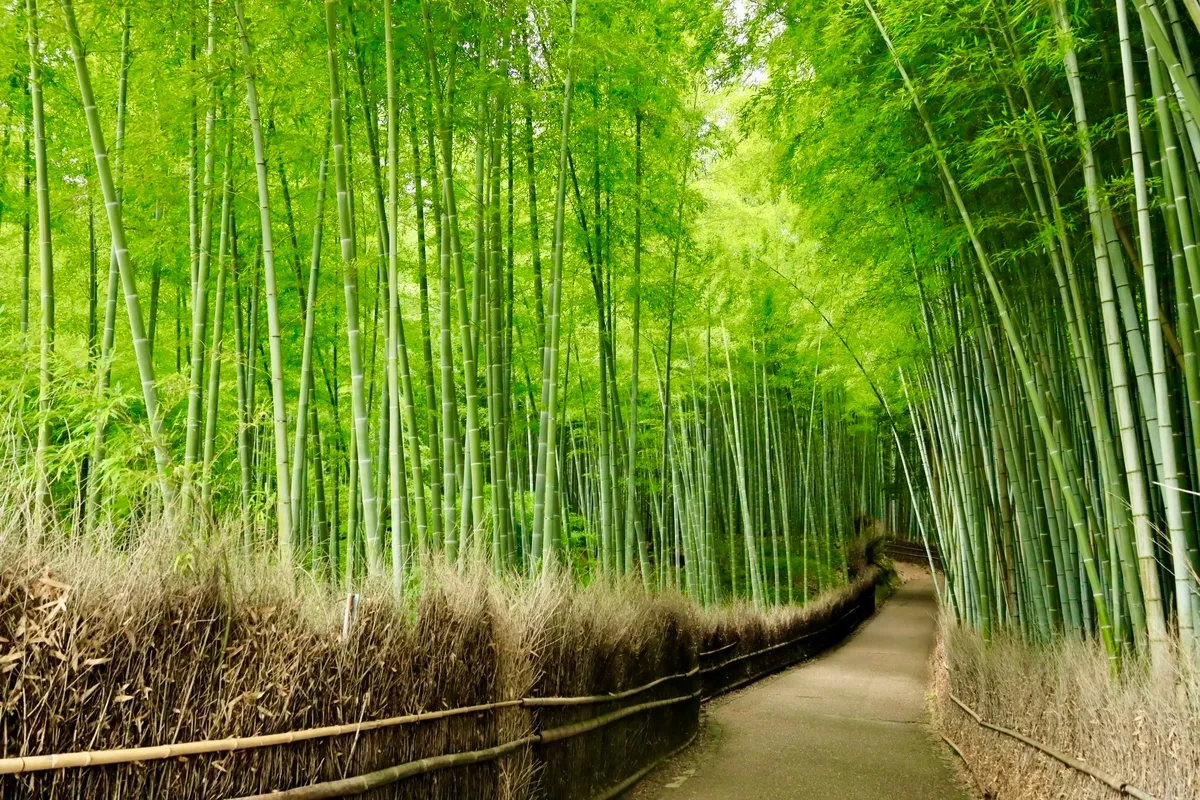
x=455, y=398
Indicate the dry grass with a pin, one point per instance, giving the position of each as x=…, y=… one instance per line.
x=104, y=652
x=1136, y=729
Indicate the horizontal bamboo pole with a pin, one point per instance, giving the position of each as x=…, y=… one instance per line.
x=915, y=553
x=577, y=728
x=19, y=764
x=721, y=649
x=984, y=793
x=605, y=698
x=348, y=787
x=1073, y=763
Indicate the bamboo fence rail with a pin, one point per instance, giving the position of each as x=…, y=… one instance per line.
x=384, y=777
x=983, y=792
x=534, y=702
x=348, y=787
x=22, y=764
x=717, y=681
x=721, y=649
x=915, y=553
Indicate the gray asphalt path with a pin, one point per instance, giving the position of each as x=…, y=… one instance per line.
x=850, y=725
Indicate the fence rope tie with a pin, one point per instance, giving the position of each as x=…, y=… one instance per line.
x=1074, y=763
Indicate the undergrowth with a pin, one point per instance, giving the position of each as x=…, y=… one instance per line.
x=1138, y=729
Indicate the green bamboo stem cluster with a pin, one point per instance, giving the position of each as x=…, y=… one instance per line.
x=517, y=432
x=1057, y=417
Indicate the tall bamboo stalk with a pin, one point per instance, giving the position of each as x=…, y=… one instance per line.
x=274, y=336
x=358, y=400
x=199, y=299
x=218, y=328
x=545, y=485
x=46, y=269
x=116, y=225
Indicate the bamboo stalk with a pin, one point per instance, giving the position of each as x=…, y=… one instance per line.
x=44, y=512
x=274, y=334
x=141, y=344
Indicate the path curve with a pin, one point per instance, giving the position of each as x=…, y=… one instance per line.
x=850, y=725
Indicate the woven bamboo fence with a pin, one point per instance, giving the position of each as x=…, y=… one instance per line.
x=548, y=746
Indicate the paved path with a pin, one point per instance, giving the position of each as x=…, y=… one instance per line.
x=850, y=725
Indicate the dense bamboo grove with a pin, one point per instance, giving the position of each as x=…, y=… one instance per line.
x=1031, y=176
x=393, y=278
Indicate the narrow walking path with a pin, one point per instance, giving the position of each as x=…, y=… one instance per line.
x=850, y=725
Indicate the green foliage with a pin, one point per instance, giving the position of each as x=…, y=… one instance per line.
x=728, y=245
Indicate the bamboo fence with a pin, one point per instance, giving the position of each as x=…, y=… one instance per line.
x=705, y=681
